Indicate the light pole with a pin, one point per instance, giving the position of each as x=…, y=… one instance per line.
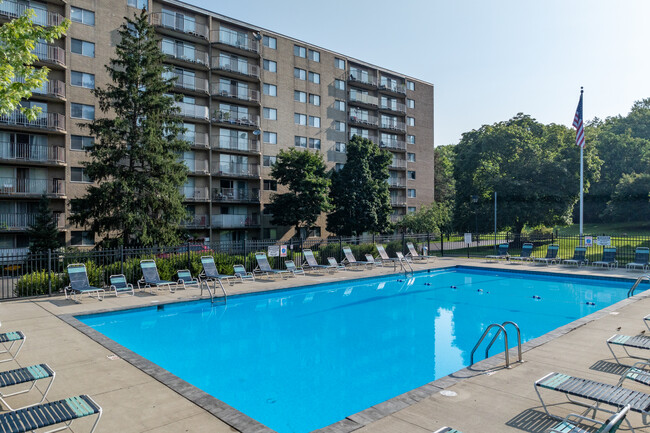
x=475, y=201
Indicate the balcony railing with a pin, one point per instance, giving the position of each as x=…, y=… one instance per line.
x=22, y=221
x=196, y=222
x=370, y=137
x=393, y=144
x=13, y=9
x=237, y=169
x=398, y=163
x=195, y=193
x=235, y=117
x=44, y=120
x=242, y=68
x=53, y=88
x=225, y=142
x=358, y=77
x=363, y=119
x=396, y=183
x=393, y=87
x=235, y=221
x=393, y=106
x=398, y=201
x=196, y=56
x=193, y=111
x=48, y=53
x=32, y=152
x=235, y=39
x=197, y=139
x=188, y=82
x=197, y=166
x=179, y=23
x=236, y=92
x=395, y=125
x=236, y=195
x=364, y=99
x=12, y=186
x=396, y=218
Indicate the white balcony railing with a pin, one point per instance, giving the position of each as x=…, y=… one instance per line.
x=32, y=152
x=235, y=221
x=21, y=221
x=236, y=195
x=44, y=120
x=238, y=169
x=195, y=193
x=12, y=186
x=179, y=23
x=227, y=142
x=188, y=82
x=242, y=93
x=236, y=117
x=193, y=111
x=237, y=67
x=235, y=39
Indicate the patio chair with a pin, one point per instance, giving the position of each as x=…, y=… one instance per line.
x=413, y=254
x=264, y=268
x=240, y=272
x=526, y=251
x=376, y=263
x=295, y=270
x=608, y=259
x=210, y=273
x=150, y=278
x=627, y=342
x=641, y=259
x=312, y=264
x=336, y=265
x=351, y=260
x=638, y=373
x=551, y=255
x=579, y=257
x=79, y=284
x=25, y=375
x=383, y=255
x=119, y=285
x=402, y=258
x=502, y=253
x=43, y=415
x=186, y=280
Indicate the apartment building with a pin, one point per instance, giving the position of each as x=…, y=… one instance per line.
x=247, y=94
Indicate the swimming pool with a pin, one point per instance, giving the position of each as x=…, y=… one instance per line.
x=305, y=358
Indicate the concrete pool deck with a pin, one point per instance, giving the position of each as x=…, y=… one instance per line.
x=489, y=398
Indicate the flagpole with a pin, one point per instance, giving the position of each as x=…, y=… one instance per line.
x=581, y=180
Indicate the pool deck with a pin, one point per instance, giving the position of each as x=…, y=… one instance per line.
x=487, y=398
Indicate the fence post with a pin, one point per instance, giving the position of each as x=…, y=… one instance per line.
x=403, y=240
x=49, y=271
x=189, y=261
x=428, y=243
x=338, y=254
x=121, y=259
x=245, y=255
x=442, y=244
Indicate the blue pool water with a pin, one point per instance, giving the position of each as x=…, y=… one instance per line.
x=303, y=359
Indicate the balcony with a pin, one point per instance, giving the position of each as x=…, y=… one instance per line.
x=393, y=144
x=397, y=163
x=197, y=140
x=54, y=89
x=370, y=137
x=235, y=144
x=234, y=68
x=196, y=222
x=50, y=54
x=396, y=183
x=396, y=218
x=240, y=41
x=394, y=106
x=235, y=195
x=398, y=201
x=197, y=166
x=235, y=221
x=393, y=125
x=179, y=55
x=234, y=169
x=363, y=119
x=193, y=111
x=392, y=87
x=357, y=77
x=361, y=98
x=240, y=93
x=235, y=117
x=50, y=121
x=189, y=83
x=179, y=23
x=37, y=153
x=22, y=221
x=13, y=187
x=195, y=194
x=11, y=9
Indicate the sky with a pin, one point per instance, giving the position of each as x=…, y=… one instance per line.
x=488, y=60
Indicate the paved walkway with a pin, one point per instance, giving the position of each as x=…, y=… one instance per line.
x=490, y=400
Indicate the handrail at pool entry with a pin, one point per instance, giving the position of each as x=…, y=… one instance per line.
x=403, y=262
x=504, y=330
x=636, y=284
x=213, y=293
x=505, y=337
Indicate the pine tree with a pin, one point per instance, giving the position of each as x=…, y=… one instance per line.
x=43, y=234
x=135, y=157
x=360, y=192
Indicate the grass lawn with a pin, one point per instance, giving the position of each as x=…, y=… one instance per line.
x=629, y=229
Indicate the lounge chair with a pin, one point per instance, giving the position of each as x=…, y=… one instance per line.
x=336, y=265
x=526, y=251
x=264, y=268
x=210, y=273
x=150, y=278
x=628, y=341
x=551, y=255
x=608, y=259
x=186, y=280
x=43, y=415
x=638, y=373
x=13, y=338
x=119, y=285
x=413, y=254
x=403, y=258
x=598, y=392
x=383, y=255
x=25, y=375
x=579, y=257
x=291, y=267
x=351, y=260
x=502, y=253
x=376, y=263
x=312, y=264
x=79, y=284
x=240, y=272
x=641, y=259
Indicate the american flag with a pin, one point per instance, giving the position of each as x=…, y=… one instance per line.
x=578, y=125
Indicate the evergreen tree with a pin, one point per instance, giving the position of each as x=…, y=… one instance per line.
x=135, y=157
x=360, y=192
x=304, y=173
x=43, y=234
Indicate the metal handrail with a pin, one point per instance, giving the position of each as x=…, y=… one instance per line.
x=505, y=337
x=636, y=284
x=212, y=294
x=403, y=262
x=499, y=332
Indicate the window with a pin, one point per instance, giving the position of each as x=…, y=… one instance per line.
x=80, y=142
x=314, y=143
x=410, y=139
x=270, y=137
x=314, y=55
x=82, y=16
x=299, y=119
x=410, y=193
x=81, y=111
x=270, y=65
x=270, y=233
x=411, y=209
x=339, y=84
x=268, y=161
x=271, y=42
x=299, y=96
x=84, y=48
x=300, y=74
x=314, y=99
x=82, y=238
x=339, y=126
x=270, y=185
x=270, y=89
x=78, y=174
x=410, y=157
x=339, y=105
x=410, y=121
x=82, y=79
x=410, y=175
x=340, y=147
x=410, y=85
x=314, y=77
x=270, y=113
x=339, y=166
x=299, y=51
x=140, y=4
x=314, y=121
x=300, y=141
x=410, y=103
x=339, y=63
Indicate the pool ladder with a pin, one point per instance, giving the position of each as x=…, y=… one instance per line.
x=213, y=293
x=502, y=328
x=636, y=284
x=404, y=263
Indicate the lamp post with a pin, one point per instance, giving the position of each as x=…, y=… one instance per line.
x=475, y=201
